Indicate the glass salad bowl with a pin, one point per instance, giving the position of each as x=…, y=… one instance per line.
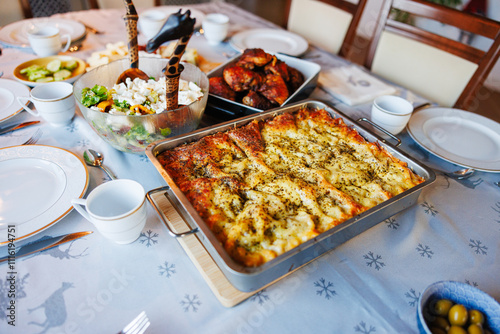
x=133, y=133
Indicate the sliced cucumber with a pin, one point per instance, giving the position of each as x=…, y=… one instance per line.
x=70, y=65
x=54, y=65
x=62, y=75
x=46, y=79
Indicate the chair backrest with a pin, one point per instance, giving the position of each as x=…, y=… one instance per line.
x=39, y=8
x=442, y=69
x=328, y=24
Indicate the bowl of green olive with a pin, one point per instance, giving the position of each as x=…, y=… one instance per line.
x=450, y=307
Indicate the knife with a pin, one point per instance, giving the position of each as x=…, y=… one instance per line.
x=17, y=127
x=43, y=244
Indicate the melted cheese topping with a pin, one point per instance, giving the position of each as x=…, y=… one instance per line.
x=269, y=186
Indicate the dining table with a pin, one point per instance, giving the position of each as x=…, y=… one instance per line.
x=369, y=284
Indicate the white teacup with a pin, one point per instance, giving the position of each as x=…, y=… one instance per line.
x=117, y=209
x=151, y=22
x=46, y=41
x=215, y=27
x=391, y=112
x=54, y=101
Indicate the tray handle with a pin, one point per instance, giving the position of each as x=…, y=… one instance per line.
x=364, y=119
x=162, y=216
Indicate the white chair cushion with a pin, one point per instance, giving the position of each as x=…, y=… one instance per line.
x=322, y=25
x=425, y=70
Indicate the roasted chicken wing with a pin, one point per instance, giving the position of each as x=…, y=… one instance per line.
x=252, y=58
x=241, y=79
x=219, y=87
x=278, y=67
x=256, y=100
x=295, y=80
x=274, y=88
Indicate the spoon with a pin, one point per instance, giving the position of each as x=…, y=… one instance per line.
x=95, y=159
x=133, y=48
x=460, y=174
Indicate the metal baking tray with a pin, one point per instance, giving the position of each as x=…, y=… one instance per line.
x=252, y=278
x=218, y=105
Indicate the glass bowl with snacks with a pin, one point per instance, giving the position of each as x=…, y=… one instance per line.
x=129, y=116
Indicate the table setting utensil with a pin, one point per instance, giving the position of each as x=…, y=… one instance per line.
x=133, y=72
x=92, y=29
x=44, y=244
x=138, y=325
x=460, y=174
x=33, y=139
x=15, y=127
x=96, y=159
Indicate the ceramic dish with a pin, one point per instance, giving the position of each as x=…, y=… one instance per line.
x=458, y=136
x=9, y=90
x=458, y=293
x=273, y=40
x=38, y=184
x=234, y=109
x=76, y=73
x=16, y=34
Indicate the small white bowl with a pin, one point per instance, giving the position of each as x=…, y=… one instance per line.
x=391, y=112
x=459, y=293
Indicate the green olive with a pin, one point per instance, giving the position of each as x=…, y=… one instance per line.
x=475, y=329
x=458, y=315
x=441, y=323
x=442, y=307
x=456, y=330
x=437, y=330
x=476, y=317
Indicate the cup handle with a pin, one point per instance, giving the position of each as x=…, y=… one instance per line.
x=68, y=42
x=78, y=204
x=22, y=101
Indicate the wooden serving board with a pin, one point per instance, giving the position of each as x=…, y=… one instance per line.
x=225, y=292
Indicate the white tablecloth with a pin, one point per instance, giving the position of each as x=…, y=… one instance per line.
x=370, y=284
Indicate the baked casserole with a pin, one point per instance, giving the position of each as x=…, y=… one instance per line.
x=268, y=186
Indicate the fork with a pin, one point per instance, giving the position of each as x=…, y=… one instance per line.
x=138, y=325
x=33, y=139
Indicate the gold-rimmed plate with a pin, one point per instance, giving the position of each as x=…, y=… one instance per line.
x=75, y=74
x=38, y=184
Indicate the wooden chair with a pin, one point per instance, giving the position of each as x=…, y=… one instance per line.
x=328, y=24
x=439, y=68
x=39, y=8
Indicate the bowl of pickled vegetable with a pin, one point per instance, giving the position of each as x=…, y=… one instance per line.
x=132, y=115
x=48, y=69
x=449, y=307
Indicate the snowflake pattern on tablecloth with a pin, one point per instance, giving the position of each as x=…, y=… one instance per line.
x=190, y=303
x=374, y=260
x=167, y=269
x=474, y=284
x=362, y=328
x=4, y=289
x=143, y=158
x=148, y=238
x=424, y=251
x=429, y=209
x=260, y=297
x=412, y=296
x=496, y=208
x=72, y=127
x=325, y=287
x=83, y=143
x=391, y=223
x=478, y=247
x=470, y=183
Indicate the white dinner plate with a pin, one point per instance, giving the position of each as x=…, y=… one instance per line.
x=9, y=90
x=16, y=34
x=458, y=136
x=273, y=40
x=37, y=185
x=169, y=10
